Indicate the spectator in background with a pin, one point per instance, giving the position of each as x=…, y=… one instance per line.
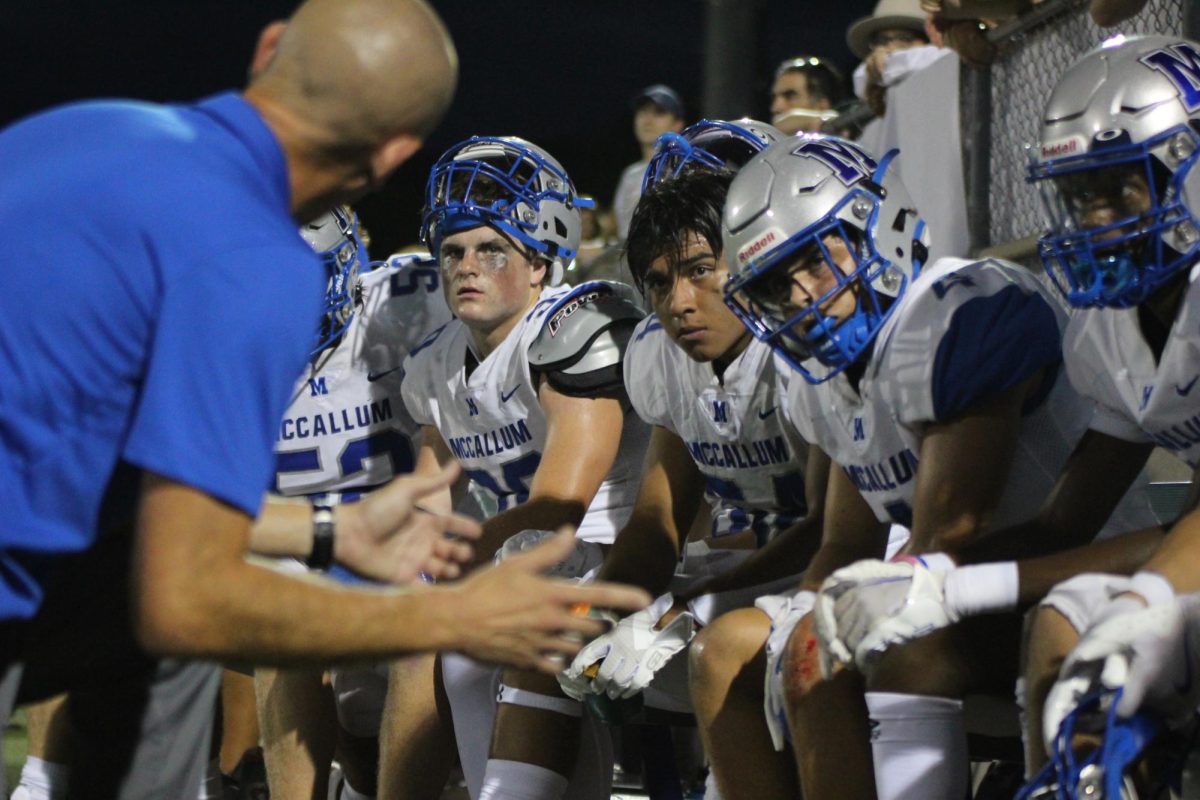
x=805, y=94
x=657, y=109
x=893, y=43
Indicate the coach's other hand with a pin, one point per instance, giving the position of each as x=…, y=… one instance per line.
x=513, y=614
x=389, y=537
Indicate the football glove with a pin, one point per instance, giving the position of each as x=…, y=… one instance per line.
x=871, y=605
x=623, y=661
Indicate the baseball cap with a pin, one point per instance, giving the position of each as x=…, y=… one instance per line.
x=662, y=96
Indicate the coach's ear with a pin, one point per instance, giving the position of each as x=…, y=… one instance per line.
x=264, y=51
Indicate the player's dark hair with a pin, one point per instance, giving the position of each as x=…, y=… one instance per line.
x=669, y=211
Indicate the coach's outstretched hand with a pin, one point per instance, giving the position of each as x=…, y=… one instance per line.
x=513, y=614
x=389, y=537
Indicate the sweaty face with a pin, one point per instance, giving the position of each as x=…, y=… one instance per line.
x=689, y=299
x=789, y=92
x=650, y=122
x=488, y=280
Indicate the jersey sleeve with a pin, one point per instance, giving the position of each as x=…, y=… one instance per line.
x=224, y=359
x=985, y=328
x=645, y=377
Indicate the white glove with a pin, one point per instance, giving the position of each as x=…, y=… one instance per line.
x=1149, y=651
x=870, y=605
x=785, y=613
x=629, y=654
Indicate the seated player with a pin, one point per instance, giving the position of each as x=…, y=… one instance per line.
x=1121, y=250
x=523, y=389
x=345, y=434
x=709, y=389
x=1123, y=245
x=936, y=392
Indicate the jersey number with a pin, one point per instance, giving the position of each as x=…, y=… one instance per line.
x=512, y=488
x=351, y=460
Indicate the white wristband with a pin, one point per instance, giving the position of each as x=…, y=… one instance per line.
x=982, y=589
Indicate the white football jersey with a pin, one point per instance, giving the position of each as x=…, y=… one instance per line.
x=494, y=425
x=347, y=430
x=1137, y=398
x=752, y=460
x=964, y=331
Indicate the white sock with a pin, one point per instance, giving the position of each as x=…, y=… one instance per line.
x=471, y=687
x=43, y=780
x=350, y=793
x=919, y=746
x=516, y=780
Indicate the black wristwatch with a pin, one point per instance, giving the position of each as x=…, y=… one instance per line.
x=324, y=529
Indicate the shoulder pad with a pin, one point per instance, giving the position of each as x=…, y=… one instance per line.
x=583, y=337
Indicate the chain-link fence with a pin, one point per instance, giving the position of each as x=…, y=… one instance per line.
x=1001, y=109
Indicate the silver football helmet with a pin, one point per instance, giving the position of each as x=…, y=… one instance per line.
x=712, y=144
x=334, y=237
x=782, y=209
x=512, y=185
x=1115, y=162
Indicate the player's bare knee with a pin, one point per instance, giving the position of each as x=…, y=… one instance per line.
x=1051, y=637
x=723, y=649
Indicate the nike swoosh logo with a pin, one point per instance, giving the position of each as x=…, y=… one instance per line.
x=504, y=397
x=1186, y=389
x=374, y=376
x=767, y=413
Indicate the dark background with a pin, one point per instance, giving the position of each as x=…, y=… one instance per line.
x=558, y=72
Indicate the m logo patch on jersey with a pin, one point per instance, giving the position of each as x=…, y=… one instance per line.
x=316, y=386
x=720, y=410
x=848, y=163
x=859, y=435
x=1147, y=390
x=1180, y=64
x=472, y=408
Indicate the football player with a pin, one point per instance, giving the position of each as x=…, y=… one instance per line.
x=709, y=389
x=936, y=391
x=1123, y=240
x=345, y=433
x=523, y=389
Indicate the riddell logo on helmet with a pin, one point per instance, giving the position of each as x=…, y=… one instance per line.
x=1070, y=146
x=758, y=245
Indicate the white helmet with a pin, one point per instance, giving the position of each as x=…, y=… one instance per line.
x=713, y=144
x=789, y=199
x=508, y=183
x=1121, y=133
x=334, y=237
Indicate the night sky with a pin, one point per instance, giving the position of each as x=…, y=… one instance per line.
x=558, y=72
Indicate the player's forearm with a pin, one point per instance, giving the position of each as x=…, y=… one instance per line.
x=1178, y=559
x=789, y=553
x=538, y=513
x=283, y=528
x=264, y=617
x=644, y=554
x=1121, y=555
x=832, y=556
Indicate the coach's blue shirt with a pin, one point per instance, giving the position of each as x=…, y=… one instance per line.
x=156, y=306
